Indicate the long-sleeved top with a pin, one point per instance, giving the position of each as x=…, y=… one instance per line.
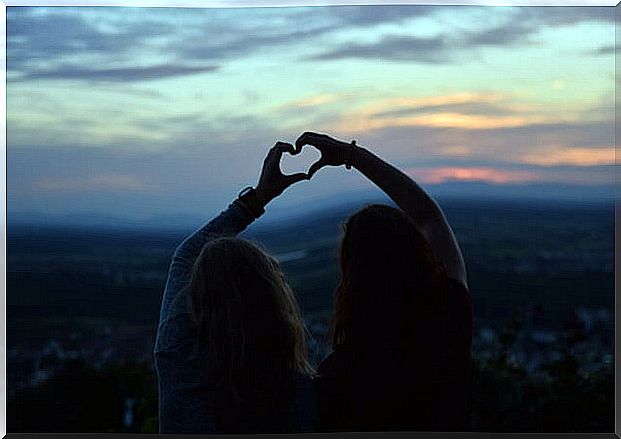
x=180, y=363
x=429, y=390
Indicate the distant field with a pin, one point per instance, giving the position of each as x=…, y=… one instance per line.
x=518, y=256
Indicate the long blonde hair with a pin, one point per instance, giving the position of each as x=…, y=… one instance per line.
x=248, y=321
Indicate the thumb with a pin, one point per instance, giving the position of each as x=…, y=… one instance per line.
x=291, y=179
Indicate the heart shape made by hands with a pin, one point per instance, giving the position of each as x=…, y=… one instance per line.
x=292, y=164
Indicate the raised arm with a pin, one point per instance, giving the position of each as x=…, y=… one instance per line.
x=183, y=404
x=174, y=304
x=404, y=191
x=229, y=223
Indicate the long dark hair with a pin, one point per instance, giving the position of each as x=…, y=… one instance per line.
x=389, y=282
x=249, y=324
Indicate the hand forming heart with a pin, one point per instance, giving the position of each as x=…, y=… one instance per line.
x=299, y=162
x=273, y=182
x=333, y=152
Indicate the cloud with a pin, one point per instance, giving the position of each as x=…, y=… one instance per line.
x=554, y=152
x=518, y=28
x=508, y=34
x=44, y=35
x=200, y=172
x=606, y=50
x=437, y=100
x=48, y=35
x=121, y=74
x=524, y=22
x=431, y=50
x=472, y=108
x=250, y=41
x=393, y=48
x=107, y=182
x=371, y=15
x=230, y=38
x=466, y=121
x=538, y=138
x=41, y=36
x=312, y=101
x=468, y=111
x=573, y=156
x=479, y=113
x=32, y=38
x=565, y=16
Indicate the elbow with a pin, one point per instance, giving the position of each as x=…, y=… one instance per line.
x=179, y=251
x=181, y=260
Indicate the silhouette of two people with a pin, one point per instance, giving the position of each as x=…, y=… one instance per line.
x=230, y=351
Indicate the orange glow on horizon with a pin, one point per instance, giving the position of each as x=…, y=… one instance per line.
x=488, y=175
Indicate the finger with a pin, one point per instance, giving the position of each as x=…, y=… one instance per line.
x=316, y=167
x=270, y=154
x=307, y=138
x=278, y=150
x=285, y=147
x=299, y=143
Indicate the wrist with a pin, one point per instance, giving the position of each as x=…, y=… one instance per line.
x=354, y=156
x=250, y=199
x=262, y=196
x=348, y=154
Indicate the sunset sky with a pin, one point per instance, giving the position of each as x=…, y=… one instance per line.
x=136, y=112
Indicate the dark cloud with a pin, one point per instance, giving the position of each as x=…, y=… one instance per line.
x=220, y=42
x=34, y=37
x=509, y=34
x=394, y=48
x=520, y=27
x=371, y=15
x=127, y=74
x=565, y=15
x=432, y=50
x=202, y=49
x=368, y=15
x=607, y=50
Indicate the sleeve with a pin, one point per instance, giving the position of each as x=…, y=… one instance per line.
x=179, y=365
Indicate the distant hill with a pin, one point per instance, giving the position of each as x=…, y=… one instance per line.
x=448, y=192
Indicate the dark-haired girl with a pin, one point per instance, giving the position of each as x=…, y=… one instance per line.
x=402, y=326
